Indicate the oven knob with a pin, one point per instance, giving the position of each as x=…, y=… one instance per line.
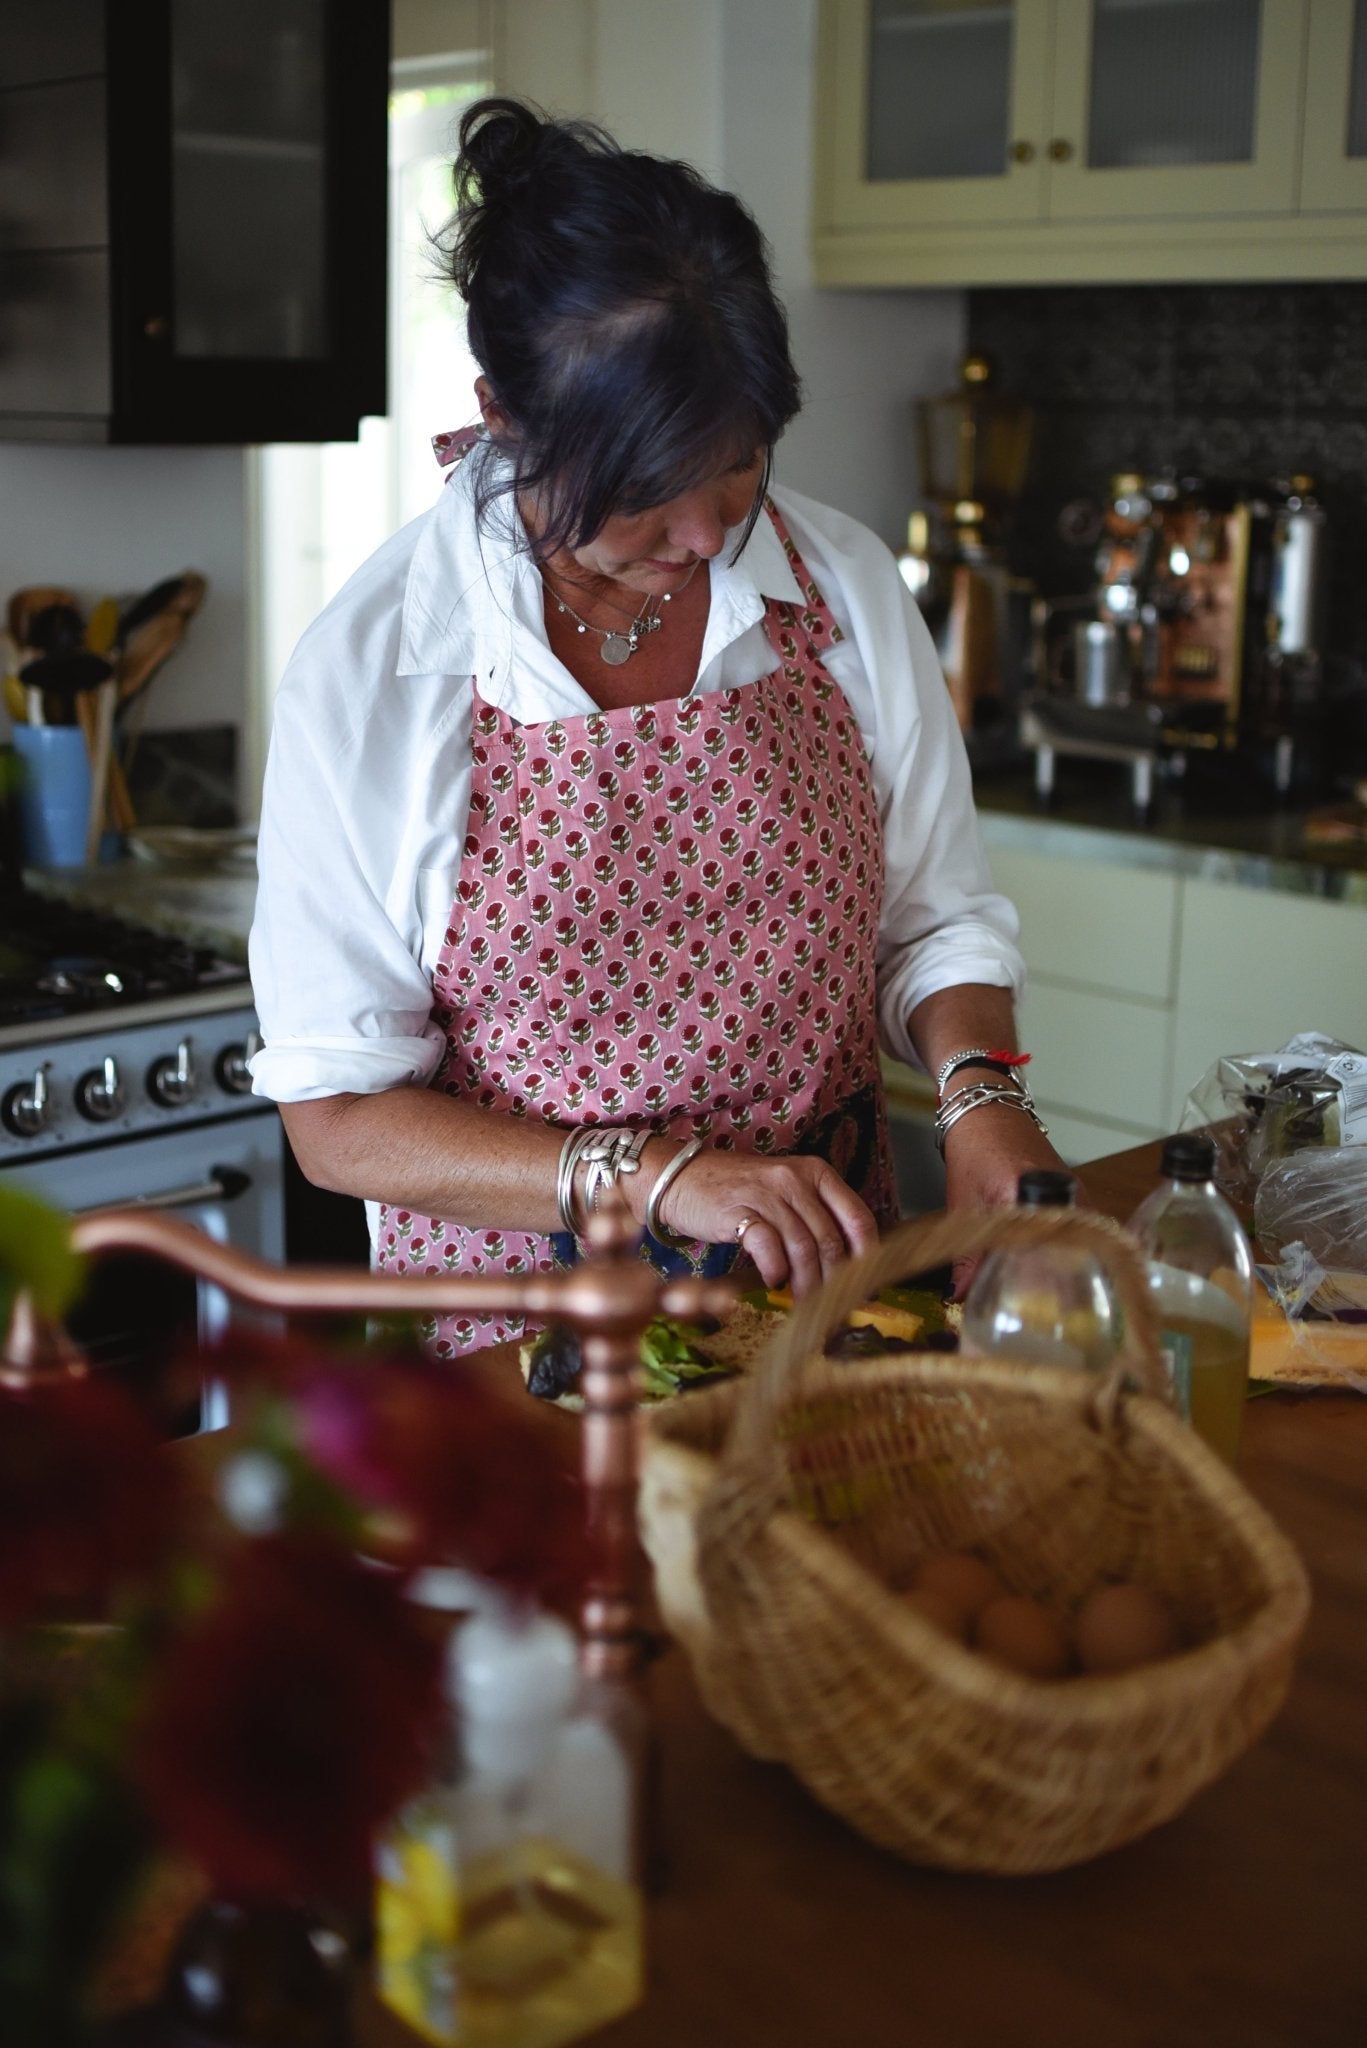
x=24, y=1109
x=99, y=1094
x=231, y=1065
x=171, y=1080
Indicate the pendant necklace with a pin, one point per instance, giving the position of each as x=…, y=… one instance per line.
x=617, y=646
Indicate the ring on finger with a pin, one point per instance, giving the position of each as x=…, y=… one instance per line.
x=746, y=1223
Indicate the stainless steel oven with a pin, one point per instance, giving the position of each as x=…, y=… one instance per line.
x=148, y=1100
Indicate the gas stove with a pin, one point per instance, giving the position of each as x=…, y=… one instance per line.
x=60, y=959
x=124, y=1078
x=109, y=1030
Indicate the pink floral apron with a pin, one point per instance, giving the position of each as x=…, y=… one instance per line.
x=667, y=914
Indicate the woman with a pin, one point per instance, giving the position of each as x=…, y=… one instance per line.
x=618, y=798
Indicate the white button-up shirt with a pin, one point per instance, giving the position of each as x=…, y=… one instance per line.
x=368, y=782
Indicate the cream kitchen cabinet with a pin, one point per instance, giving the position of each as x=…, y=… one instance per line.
x=1140, y=976
x=1069, y=141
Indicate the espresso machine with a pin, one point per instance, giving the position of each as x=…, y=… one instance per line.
x=974, y=448
x=1201, y=631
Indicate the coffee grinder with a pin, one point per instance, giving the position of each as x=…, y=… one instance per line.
x=974, y=448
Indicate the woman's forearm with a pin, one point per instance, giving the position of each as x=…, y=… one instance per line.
x=425, y=1151
x=986, y=1150
x=953, y=1019
x=438, y=1157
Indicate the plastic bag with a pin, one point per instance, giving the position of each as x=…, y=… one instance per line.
x=1311, y=1211
x=1265, y=1108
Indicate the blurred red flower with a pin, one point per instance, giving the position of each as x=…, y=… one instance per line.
x=86, y=1496
x=451, y=1474
x=290, y=1720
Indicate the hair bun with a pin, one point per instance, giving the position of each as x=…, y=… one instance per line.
x=500, y=142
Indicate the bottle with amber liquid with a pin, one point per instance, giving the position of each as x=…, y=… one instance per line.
x=507, y=1913
x=1201, y=1275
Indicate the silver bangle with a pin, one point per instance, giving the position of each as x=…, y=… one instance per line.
x=608, y=1154
x=964, y=1100
x=574, y=1144
x=668, y=1175
x=972, y=1053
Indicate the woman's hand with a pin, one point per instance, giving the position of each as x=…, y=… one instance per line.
x=986, y=1153
x=803, y=1219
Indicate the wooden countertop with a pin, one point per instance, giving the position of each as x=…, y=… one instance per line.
x=1237, y=1925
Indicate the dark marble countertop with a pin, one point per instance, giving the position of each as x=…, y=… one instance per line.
x=206, y=904
x=1092, y=819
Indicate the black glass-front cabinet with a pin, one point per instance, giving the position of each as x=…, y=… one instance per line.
x=192, y=219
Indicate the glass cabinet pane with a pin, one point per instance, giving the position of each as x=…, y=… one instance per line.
x=1357, y=85
x=1173, y=82
x=939, y=88
x=247, y=174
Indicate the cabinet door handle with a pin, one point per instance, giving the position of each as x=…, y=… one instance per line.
x=1060, y=150
x=1022, y=152
x=157, y=327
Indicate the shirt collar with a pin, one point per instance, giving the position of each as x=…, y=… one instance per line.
x=473, y=594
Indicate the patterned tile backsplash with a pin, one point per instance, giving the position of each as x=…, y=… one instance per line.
x=1242, y=382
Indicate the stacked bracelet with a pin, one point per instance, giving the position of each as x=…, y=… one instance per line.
x=574, y=1145
x=654, y=1228
x=607, y=1153
x=976, y=1096
x=1001, y=1061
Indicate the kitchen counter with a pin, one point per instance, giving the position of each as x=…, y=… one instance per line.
x=1235, y=1925
x=1090, y=819
x=1090, y=822
x=208, y=905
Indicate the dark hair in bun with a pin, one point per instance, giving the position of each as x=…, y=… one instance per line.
x=623, y=311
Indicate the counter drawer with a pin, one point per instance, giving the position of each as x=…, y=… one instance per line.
x=1104, y=927
x=1260, y=965
x=1098, y=1056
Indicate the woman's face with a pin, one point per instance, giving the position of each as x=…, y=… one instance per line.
x=654, y=552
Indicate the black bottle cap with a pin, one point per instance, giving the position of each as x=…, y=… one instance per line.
x=1189, y=1156
x=1043, y=1188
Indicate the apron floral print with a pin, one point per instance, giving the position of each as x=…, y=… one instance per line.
x=667, y=914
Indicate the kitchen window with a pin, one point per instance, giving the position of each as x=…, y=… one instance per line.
x=317, y=511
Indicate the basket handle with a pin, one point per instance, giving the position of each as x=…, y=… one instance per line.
x=913, y=1247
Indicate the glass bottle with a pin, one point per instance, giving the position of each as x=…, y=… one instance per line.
x=1201, y=1274
x=251, y=1973
x=1046, y=1304
x=506, y=1916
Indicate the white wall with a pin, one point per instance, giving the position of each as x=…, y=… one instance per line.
x=110, y=522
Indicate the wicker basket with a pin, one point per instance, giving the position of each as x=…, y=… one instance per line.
x=781, y=1511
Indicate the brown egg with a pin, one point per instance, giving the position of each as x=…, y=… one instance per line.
x=956, y=1576
x=1021, y=1635
x=938, y=1609
x=1120, y=1626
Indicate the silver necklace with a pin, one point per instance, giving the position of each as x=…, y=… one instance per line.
x=617, y=646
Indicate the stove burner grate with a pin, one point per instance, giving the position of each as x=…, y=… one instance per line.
x=60, y=959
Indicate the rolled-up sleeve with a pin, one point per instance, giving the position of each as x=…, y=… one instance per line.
x=362, y=819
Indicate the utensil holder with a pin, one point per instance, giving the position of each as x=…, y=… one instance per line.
x=54, y=794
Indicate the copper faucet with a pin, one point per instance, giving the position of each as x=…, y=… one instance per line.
x=609, y=1298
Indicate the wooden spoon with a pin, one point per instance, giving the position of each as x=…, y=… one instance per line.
x=157, y=636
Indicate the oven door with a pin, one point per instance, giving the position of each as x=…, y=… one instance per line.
x=141, y=1320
